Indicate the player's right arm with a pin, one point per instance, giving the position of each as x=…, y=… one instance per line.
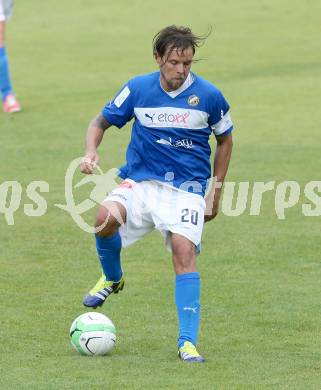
x=94, y=136
x=116, y=113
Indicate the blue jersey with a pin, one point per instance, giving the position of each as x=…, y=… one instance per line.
x=170, y=134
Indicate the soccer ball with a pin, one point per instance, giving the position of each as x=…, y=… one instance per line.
x=92, y=334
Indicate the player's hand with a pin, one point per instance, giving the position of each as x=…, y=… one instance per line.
x=212, y=214
x=89, y=163
x=212, y=207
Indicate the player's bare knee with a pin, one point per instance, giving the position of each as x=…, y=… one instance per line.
x=184, y=256
x=106, y=231
x=182, y=246
x=183, y=252
x=106, y=225
x=184, y=265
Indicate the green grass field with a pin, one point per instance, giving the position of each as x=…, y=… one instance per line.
x=261, y=276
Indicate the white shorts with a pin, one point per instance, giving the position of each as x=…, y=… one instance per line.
x=5, y=9
x=152, y=205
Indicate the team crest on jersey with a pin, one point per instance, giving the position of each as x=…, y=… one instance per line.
x=193, y=100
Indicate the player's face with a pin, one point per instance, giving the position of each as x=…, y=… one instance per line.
x=174, y=68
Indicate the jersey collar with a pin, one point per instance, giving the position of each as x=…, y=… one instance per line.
x=187, y=83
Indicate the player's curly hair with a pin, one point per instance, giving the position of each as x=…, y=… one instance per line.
x=176, y=37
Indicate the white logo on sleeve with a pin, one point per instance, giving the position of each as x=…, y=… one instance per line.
x=122, y=97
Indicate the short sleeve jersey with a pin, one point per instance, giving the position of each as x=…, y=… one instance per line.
x=170, y=133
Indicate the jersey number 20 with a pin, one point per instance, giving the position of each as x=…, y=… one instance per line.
x=190, y=216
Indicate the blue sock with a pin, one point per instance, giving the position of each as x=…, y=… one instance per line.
x=108, y=249
x=187, y=299
x=5, y=85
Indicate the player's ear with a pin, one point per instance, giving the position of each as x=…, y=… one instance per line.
x=158, y=58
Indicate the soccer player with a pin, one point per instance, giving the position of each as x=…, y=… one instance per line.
x=9, y=101
x=165, y=177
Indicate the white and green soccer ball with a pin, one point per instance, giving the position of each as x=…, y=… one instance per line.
x=93, y=334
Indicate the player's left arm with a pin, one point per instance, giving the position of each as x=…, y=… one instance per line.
x=221, y=162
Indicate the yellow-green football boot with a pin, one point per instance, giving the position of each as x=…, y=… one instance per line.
x=102, y=289
x=188, y=353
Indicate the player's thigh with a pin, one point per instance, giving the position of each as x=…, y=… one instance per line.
x=183, y=254
x=184, y=217
x=109, y=217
